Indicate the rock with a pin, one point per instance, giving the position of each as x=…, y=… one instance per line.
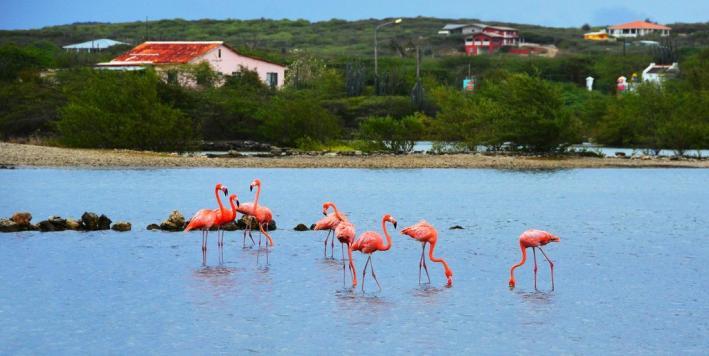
x=312, y=226
x=46, y=226
x=104, y=223
x=58, y=222
x=89, y=221
x=72, y=224
x=231, y=226
x=121, y=226
x=174, y=222
x=620, y=154
x=330, y=154
x=456, y=227
x=272, y=225
x=3, y=166
x=7, y=225
x=246, y=220
x=301, y=227
x=153, y=227
x=22, y=219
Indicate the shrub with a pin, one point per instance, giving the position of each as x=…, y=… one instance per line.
x=122, y=110
x=396, y=135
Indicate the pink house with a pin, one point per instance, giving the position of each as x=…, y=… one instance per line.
x=223, y=59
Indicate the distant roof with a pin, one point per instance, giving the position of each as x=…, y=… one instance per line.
x=639, y=24
x=504, y=28
x=663, y=69
x=453, y=26
x=168, y=52
x=94, y=44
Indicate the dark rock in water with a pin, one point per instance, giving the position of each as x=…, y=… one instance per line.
x=231, y=226
x=301, y=227
x=121, y=226
x=456, y=227
x=174, y=222
x=620, y=154
x=72, y=224
x=153, y=227
x=89, y=221
x=104, y=223
x=312, y=226
x=45, y=226
x=22, y=219
x=3, y=166
x=242, y=223
x=58, y=222
x=7, y=225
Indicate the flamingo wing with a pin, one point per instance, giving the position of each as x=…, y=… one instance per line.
x=327, y=223
x=263, y=214
x=345, y=232
x=422, y=231
x=246, y=208
x=367, y=242
x=202, y=219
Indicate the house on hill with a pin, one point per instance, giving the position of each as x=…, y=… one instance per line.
x=166, y=55
x=481, y=38
x=657, y=73
x=638, y=29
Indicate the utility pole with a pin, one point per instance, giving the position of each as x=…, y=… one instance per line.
x=376, y=51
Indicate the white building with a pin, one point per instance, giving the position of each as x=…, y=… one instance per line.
x=655, y=73
x=638, y=29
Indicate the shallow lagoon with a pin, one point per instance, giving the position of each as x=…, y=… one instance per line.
x=630, y=269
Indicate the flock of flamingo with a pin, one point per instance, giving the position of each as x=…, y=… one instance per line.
x=339, y=225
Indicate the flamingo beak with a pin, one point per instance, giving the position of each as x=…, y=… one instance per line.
x=394, y=224
x=251, y=188
x=226, y=191
x=237, y=203
x=324, y=212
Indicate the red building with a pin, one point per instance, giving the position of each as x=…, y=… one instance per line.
x=490, y=39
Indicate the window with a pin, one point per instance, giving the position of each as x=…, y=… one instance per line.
x=272, y=79
x=219, y=53
x=172, y=77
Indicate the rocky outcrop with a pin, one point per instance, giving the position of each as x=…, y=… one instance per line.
x=45, y=226
x=104, y=223
x=121, y=226
x=7, y=225
x=456, y=227
x=174, y=222
x=22, y=219
x=153, y=227
x=72, y=224
x=301, y=227
x=89, y=221
x=58, y=223
x=249, y=221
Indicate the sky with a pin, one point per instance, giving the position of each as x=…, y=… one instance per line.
x=27, y=14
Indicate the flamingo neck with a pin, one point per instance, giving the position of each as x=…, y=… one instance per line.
x=524, y=259
x=386, y=234
x=446, y=268
x=337, y=213
x=258, y=192
x=233, y=209
x=222, y=210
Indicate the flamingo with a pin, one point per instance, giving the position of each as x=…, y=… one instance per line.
x=228, y=217
x=329, y=223
x=345, y=233
x=534, y=239
x=204, y=219
x=262, y=215
x=370, y=242
x=426, y=233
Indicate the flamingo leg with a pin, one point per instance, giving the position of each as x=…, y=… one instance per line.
x=344, y=275
x=420, y=265
x=332, y=246
x=535, y=267
x=425, y=268
x=267, y=241
x=364, y=272
x=551, y=266
x=352, y=269
x=325, y=243
x=371, y=267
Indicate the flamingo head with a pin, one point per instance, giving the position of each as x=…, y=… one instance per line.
x=223, y=188
x=255, y=183
x=390, y=219
x=234, y=198
x=552, y=238
x=449, y=276
x=512, y=283
x=326, y=206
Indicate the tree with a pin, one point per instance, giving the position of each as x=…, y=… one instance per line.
x=21, y=62
x=396, y=135
x=294, y=115
x=121, y=110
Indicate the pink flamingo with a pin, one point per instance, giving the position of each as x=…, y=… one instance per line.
x=345, y=233
x=534, y=239
x=370, y=242
x=226, y=218
x=262, y=215
x=426, y=233
x=204, y=219
x=329, y=223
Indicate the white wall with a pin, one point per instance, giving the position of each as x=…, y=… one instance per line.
x=231, y=62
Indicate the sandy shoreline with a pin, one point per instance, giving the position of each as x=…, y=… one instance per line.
x=21, y=155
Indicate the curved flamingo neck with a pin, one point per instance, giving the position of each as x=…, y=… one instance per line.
x=222, y=210
x=386, y=234
x=258, y=192
x=524, y=259
x=233, y=208
x=446, y=268
x=337, y=212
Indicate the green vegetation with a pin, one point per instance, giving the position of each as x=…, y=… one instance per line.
x=330, y=100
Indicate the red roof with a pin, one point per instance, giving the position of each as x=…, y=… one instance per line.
x=167, y=52
x=639, y=24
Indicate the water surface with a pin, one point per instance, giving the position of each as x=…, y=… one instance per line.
x=630, y=269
